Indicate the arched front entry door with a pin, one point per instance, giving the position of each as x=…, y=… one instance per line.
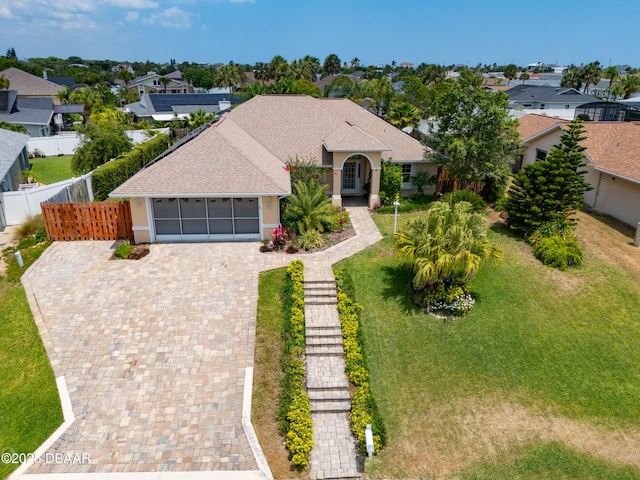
x=352, y=175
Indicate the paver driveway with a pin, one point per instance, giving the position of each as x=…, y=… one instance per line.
x=154, y=353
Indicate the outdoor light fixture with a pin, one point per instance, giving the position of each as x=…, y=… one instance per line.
x=396, y=204
x=368, y=438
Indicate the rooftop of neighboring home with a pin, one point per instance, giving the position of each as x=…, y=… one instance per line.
x=246, y=150
x=523, y=94
x=25, y=111
x=11, y=144
x=29, y=85
x=165, y=105
x=613, y=147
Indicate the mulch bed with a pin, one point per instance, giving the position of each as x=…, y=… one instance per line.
x=331, y=239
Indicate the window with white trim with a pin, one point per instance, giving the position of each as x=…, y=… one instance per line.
x=408, y=171
x=540, y=155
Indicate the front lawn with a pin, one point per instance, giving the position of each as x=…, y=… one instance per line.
x=29, y=404
x=51, y=169
x=544, y=358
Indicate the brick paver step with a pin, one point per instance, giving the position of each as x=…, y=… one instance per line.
x=328, y=330
x=330, y=406
x=326, y=301
x=318, y=340
x=335, y=393
x=325, y=350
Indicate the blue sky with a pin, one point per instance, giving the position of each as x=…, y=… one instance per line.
x=375, y=31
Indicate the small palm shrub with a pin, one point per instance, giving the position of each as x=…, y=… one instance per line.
x=310, y=239
x=309, y=208
x=476, y=201
x=558, y=252
x=30, y=226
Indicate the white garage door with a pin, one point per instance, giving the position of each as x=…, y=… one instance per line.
x=198, y=219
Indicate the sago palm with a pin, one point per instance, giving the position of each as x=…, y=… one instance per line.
x=446, y=245
x=309, y=208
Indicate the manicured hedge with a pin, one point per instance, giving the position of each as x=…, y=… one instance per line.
x=364, y=409
x=294, y=413
x=109, y=176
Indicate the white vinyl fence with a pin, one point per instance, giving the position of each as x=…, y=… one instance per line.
x=66, y=143
x=19, y=205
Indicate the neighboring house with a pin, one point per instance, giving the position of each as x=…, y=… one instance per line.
x=609, y=112
x=150, y=83
x=35, y=114
x=613, y=161
x=32, y=86
x=122, y=66
x=226, y=181
x=560, y=102
x=170, y=106
x=13, y=159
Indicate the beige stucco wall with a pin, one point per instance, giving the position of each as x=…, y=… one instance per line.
x=619, y=198
x=432, y=169
x=270, y=216
x=139, y=219
x=545, y=143
x=592, y=178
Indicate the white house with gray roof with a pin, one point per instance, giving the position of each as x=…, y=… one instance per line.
x=559, y=102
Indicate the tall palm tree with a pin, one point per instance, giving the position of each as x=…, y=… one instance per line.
x=164, y=81
x=404, y=115
x=89, y=97
x=630, y=84
x=591, y=74
x=331, y=65
x=229, y=75
x=126, y=76
x=380, y=93
x=278, y=68
x=355, y=62
x=571, y=78
x=447, y=245
x=611, y=72
x=261, y=72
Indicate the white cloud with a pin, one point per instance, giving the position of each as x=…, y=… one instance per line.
x=131, y=3
x=5, y=12
x=171, y=18
x=131, y=16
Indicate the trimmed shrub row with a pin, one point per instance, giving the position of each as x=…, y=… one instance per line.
x=109, y=176
x=364, y=409
x=294, y=413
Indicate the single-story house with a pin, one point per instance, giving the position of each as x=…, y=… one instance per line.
x=167, y=107
x=35, y=114
x=32, y=86
x=613, y=161
x=226, y=182
x=558, y=102
x=13, y=159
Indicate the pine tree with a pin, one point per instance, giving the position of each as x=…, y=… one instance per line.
x=551, y=189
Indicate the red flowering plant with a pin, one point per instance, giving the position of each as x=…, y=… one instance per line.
x=280, y=237
x=305, y=169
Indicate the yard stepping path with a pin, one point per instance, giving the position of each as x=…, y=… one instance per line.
x=334, y=448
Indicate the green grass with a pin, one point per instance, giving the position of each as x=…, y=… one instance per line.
x=542, y=461
x=554, y=343
x=29, y=404
x=267, y=375
x=51, y=169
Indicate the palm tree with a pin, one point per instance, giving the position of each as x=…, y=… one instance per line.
x=571, y=78
x=380, y=93
x=404, y=115
x=591, y=74
x=524, y=76
x=309, y=208
x=355, y=62
x=199, y=118
x=89, y=98
x=230, y=76
x=630, y=85
x=331, y=65
x=261, y=72
x=312, y=66
x=126, y=76
x=446, y=246
x=616, y=91
x=611, y=73
x=510, y=72
x=278, y=68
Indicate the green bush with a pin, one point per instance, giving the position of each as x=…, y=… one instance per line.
x=410, y=204
x=29, y=255
x=552, y=228
x=294, y=413
x=558, y=252
x=477, y=202
x=123, y=250
x=364, y=409
x=390, y=182
x=109, y=176
x=309, y=239
x=41, y=234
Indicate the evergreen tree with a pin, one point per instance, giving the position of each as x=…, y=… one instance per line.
x=551, y=189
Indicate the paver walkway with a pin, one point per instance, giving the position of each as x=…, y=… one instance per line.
x=155, y=352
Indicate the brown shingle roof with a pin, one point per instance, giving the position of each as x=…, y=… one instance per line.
x=245, y=151
x=614, y=147
x=533, y=124
x=223, y=159
x=30, y=85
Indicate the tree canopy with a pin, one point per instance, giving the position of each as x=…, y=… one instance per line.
x=473, y=137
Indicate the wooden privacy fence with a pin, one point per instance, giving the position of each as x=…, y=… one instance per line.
x=87, y=221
